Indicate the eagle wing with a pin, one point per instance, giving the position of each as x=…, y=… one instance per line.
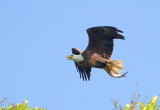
x=83, y=71
x=76, y=51
x=101, y=41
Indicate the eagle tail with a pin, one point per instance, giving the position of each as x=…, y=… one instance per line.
x=113, y=67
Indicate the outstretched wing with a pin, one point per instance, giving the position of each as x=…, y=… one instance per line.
x=83, y=71
x=101, y=41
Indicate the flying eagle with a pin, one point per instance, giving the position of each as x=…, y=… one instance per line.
x=98, y=53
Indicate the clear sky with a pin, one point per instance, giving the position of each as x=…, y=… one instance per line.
x=36, y=36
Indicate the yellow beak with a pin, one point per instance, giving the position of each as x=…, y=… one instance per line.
x=69, y=57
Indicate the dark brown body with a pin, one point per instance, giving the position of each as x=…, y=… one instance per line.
x=94, y=61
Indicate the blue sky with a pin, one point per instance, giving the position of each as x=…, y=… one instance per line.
x=36, y=36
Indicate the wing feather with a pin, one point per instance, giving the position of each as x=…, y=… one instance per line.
x=83, y=71
x=101, y=41
x=76, y=51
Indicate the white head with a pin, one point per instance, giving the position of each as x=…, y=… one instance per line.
x=76, y=58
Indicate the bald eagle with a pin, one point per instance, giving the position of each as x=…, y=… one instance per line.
x=98, y=53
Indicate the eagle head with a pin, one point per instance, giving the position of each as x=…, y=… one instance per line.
x=76, y=58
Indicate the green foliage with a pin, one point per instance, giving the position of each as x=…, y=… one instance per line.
x=153, y=104
x=20, y=106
